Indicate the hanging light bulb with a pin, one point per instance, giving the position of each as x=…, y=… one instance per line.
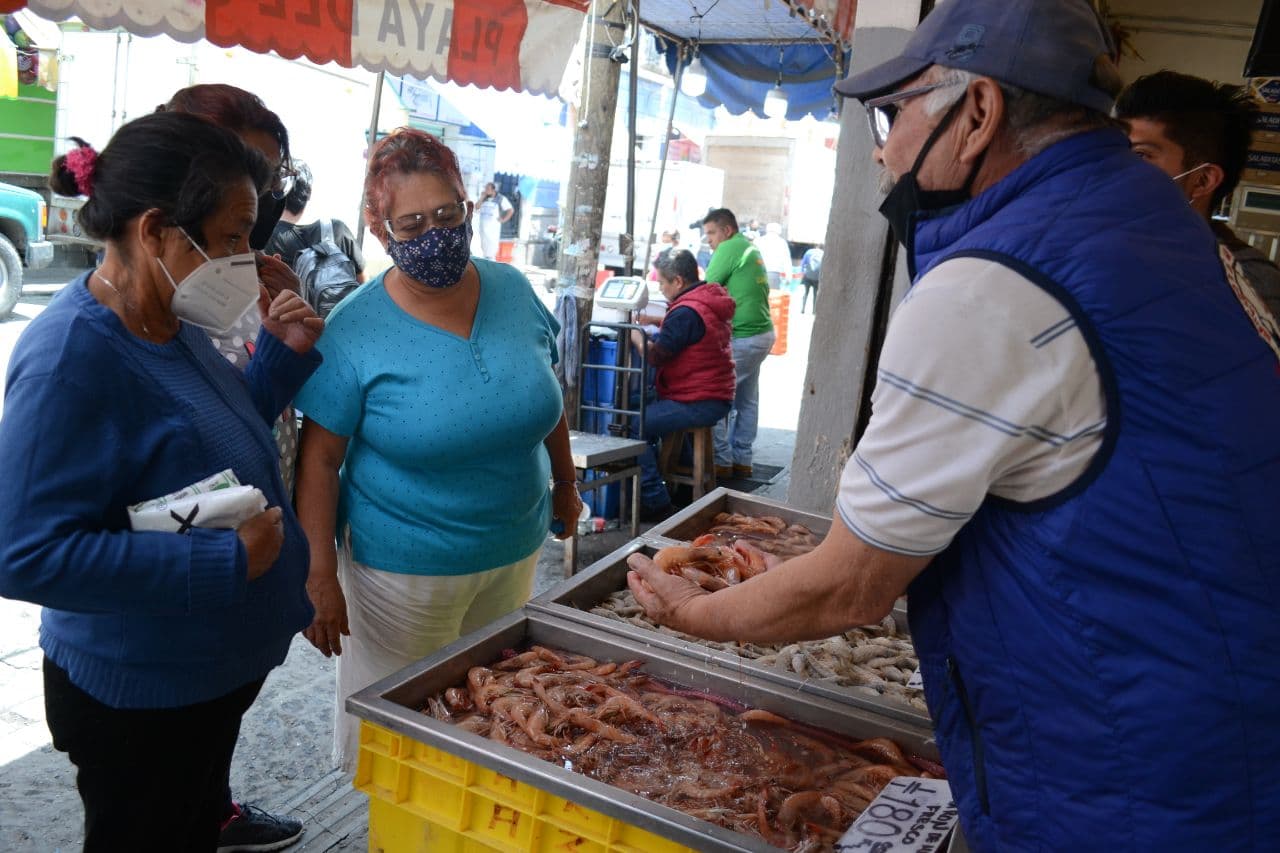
x=775, y=102
x=693, y=81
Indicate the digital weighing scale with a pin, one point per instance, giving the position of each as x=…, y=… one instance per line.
x=618, y=297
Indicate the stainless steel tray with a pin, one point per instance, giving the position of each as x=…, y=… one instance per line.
x=693, y=520
x=572, y=600
x=394, y=703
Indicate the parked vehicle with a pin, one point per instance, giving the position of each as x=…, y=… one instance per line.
x=688, y=191
x=777, y=179
x=23, y=216
x=27, y=148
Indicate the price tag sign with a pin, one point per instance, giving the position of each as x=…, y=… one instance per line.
x=911, y=815
x=916, y=681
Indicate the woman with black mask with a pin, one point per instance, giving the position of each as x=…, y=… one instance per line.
x=258, y=127
x=247, y=116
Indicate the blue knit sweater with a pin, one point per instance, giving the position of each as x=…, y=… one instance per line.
x=96, y=419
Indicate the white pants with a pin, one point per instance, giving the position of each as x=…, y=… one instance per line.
x=398, y=619
x=490, y=237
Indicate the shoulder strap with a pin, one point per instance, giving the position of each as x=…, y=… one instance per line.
x=326, y=229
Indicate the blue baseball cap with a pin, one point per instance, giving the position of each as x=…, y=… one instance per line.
x=1057, y=48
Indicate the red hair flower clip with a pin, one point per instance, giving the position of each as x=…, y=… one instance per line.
x=82, y=161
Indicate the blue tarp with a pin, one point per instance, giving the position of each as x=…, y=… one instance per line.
x=739, y=76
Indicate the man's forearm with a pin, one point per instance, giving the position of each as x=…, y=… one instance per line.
x=840, y=585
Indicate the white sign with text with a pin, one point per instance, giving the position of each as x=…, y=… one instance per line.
x=911, y=815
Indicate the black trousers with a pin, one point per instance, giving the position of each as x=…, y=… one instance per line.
x=150, y=779
x=810, y=289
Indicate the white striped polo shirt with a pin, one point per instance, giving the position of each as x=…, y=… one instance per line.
x=985, y=385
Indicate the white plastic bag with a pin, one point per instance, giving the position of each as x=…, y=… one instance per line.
x=219, y=501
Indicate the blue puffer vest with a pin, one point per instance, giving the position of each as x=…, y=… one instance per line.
x=1103, y=666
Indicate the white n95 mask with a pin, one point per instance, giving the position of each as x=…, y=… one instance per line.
x=216, y=293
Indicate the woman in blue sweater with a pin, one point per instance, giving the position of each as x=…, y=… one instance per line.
x=155, y=643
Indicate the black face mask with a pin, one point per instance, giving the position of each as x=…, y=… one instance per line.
x=906, y=199
x=270, y=210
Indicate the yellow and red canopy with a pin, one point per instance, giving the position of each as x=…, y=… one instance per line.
x=503, y=44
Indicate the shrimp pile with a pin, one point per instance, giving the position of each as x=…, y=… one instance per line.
x=713, y=566
x=766, y=533
x=736, y=548
x=751, y=771
x=876, y=660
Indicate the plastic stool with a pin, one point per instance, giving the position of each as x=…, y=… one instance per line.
x=702, y=477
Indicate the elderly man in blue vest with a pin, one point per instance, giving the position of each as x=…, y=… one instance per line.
x=1071, y=463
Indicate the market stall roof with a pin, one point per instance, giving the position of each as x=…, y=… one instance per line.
x=751, y=21
x=747, y=47
x=503, y=44
x=740, y=75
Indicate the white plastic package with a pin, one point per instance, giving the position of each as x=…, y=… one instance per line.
x=219, y=502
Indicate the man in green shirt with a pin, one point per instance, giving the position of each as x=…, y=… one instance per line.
x=737, y=265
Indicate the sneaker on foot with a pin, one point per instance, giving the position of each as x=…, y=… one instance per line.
x=252, y=829
x=724, y=472
x=742, y=472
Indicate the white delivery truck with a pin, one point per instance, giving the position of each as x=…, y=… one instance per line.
x=688, y=191
x=777, y=179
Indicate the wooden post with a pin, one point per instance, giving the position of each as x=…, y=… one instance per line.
x=583, y=215
x=633, y=94
x=368, y=149
x=863, y=276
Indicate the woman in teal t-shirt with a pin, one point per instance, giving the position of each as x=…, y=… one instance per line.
x=432, y=432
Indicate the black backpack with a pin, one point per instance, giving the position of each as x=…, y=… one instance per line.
x=328, y=275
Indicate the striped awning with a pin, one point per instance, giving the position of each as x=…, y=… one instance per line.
x=503, y=44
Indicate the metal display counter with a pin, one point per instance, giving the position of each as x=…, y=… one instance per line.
x=572, y=600
x=693, y=520
x=391, y=772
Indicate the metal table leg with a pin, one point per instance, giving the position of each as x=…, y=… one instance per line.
x=571, y=554
x=635, y=504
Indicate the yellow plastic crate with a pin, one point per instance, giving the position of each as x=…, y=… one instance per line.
x=424, y=800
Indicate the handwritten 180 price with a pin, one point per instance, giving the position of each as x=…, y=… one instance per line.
x=910, y=816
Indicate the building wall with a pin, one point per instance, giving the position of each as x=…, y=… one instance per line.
x=1205, y=39
x=859, y=251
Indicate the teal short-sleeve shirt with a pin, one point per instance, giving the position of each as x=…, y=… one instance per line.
x=446, y=472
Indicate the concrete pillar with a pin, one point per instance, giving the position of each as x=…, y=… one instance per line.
x=860, y=265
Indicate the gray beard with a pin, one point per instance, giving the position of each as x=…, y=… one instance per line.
x=887, y=181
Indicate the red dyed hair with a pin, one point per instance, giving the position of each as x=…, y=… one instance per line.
x=405, y=151
x=230, y=107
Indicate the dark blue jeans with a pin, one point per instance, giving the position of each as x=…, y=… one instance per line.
x=662, y=417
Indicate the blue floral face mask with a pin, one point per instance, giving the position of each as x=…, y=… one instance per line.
x=437, y=257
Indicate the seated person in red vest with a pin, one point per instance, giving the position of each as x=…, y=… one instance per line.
x=693, y=355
